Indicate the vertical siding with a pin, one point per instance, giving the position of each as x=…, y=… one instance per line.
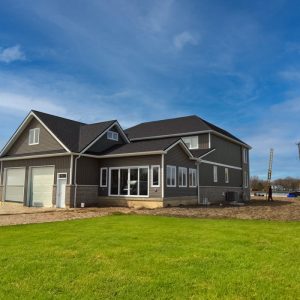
x=226, y=152
x=203, y=141
x=88, y=170
x=46, y=142
x=177, y=157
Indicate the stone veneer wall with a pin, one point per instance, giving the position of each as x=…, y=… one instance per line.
x=178, y=201
x=87, y=194
x=217, y=194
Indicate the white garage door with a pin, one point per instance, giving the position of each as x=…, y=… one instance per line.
x=42, y=180
x=14, y=184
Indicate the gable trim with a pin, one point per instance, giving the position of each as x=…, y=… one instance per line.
x=184, y=147
x=206, y=153
x=21, y=128
x=219, y=164
x=116, y=123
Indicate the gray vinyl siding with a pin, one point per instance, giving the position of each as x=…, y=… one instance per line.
x=88, y=170
x=61, y=165
x=104, y=144
x=226, y=152
x=46, y=142
x=206, y=176
x=145, y=160
x=203, y=141
x=177, y=157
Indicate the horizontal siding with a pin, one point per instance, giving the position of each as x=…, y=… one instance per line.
x=46, y=143
x=206, y=176
x=177, y=157
x=226, y=152
x=61, y=164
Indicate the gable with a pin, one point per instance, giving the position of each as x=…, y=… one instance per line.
x=47, y=142
x=104, y=144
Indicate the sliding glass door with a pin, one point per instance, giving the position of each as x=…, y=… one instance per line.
x=129, y=181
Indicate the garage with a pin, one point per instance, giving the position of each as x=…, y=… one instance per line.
x=14, y=184
x=41, y=186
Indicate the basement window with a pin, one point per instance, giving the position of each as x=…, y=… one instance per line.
x=34, y=136
x=111, y=135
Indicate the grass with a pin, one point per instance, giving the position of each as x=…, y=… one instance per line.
x=148, y=257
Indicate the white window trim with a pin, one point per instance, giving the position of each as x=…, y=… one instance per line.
x=215, y=173
x=114, y=135
x=171, y=168
x=184, y=173
x=191, y=137
x=36, y=133
x=193, y=171
x=226, y=175
x=152, y=167
x=128, y=167
x=102, y=185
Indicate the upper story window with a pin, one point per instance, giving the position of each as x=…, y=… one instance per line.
x=34, y=136
x=111, y=135
x=192, y=142
x=245, y=156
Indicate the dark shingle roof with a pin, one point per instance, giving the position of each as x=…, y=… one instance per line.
x=183, y=125
x=74, y=135
x=142, y=146
x=200, y=152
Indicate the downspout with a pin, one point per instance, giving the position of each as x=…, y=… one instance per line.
x=163, y=176
x=198, y=182
x=1, y=184
x=75, y=181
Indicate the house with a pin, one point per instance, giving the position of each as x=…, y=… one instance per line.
x=53, y=161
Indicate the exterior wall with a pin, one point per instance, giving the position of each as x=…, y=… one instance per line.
x=203, y=141
x=206, y=177
x=132, y=202
x=88, y=171
x=146, y=160
x=226, y=152
x=177, y=157
x=104, y=144
x=61, y=164
x=46, y=142
x=178, y=201
x=246, y=168
x=217, y=194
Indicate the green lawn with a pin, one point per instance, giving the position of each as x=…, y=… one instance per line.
x=134, y=257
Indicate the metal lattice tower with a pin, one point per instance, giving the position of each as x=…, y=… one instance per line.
x=270, y=166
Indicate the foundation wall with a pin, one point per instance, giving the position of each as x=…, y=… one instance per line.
x=178, y=201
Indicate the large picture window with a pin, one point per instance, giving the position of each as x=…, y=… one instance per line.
x=192, y=177
x=129, y=181
x=171, y=176
x=182, y=177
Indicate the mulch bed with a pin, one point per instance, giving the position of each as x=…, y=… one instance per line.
x=280, y=210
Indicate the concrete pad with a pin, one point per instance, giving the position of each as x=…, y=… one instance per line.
x=9, y=208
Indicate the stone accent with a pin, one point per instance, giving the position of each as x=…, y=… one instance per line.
x=130, y=202
x=54, y=196
x=69, y=195
x=177, y=201
x=87, y=194
x=217, y=194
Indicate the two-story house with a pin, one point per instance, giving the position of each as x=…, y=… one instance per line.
x=53, y=161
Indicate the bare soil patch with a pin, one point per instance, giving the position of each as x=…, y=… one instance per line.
x=280, y=210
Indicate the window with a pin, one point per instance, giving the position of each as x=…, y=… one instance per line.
x=171, y=176
x=226, y=175
x=155, y=176
x=182, y=177
x=103, y=177
x=129, y=181
x=245, y=156
x=192, y=177
x=215, y=174
x=111, y=135
x=34, y=136
x=246, y=183
x=191, y=142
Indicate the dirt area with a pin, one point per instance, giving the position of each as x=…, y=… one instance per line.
x=281, y=210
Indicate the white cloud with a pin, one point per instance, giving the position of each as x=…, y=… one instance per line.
x=23, y=104
x=184, y=38
x=11, y=54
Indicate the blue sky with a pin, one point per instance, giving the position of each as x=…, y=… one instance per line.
x=234, y=63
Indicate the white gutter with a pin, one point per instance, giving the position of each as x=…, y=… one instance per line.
x=34, y=156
